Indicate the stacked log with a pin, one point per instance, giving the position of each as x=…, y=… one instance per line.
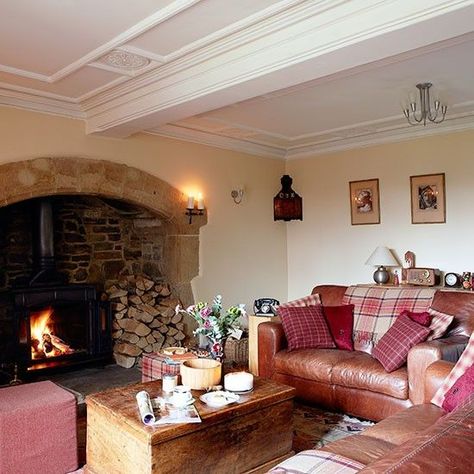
x=144, y=318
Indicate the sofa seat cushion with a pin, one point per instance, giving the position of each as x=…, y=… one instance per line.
x=363, y=372
x=311, y=364
x=405, y=424
x=360, y=448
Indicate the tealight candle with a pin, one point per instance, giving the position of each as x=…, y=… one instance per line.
x=238, y=381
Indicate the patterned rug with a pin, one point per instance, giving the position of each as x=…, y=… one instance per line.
x=315, y=427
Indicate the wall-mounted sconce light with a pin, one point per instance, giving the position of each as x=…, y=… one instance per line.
x=237, y=195
x=287, y=205
x=195, y=207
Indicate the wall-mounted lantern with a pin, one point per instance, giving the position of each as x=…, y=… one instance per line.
x=287, y=204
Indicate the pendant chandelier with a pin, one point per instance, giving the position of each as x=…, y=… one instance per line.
x=432, y=112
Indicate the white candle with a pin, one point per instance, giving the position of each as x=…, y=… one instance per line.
x=200, y=205
x=190, y=201
x=238, y=381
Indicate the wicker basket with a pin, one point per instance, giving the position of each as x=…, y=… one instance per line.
x=237, y=351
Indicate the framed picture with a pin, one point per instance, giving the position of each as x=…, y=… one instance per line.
x=428, y=199
x=365, y=202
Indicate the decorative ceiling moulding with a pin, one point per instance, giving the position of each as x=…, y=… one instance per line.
x=122, y=61
x=249, y=64
x=402, y=133
x=217, y=141
x=48, y=105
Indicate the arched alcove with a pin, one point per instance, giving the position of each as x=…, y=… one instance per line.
x=38, y=177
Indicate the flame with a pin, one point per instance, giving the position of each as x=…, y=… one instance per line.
x=40, y=332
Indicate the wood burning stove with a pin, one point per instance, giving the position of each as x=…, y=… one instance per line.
x=57, y=324
x=61, y=326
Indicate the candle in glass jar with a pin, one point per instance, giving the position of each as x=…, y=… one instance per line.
x=238, y=381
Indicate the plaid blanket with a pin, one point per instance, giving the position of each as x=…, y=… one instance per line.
x=375, y=310
x=314, y=461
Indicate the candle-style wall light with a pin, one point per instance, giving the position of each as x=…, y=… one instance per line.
x=195, y=207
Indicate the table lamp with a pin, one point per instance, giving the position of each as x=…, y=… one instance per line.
x=382, y=257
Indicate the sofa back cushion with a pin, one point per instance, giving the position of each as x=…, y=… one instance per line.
x=305, y=328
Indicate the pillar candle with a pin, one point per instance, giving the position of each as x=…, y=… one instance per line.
x=238, y=381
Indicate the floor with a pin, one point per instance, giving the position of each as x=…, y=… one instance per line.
x=83, y=382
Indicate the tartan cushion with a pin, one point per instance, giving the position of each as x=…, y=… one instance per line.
x=316, y=461
x=340, y=320
x=439, y=323
x=305, y=328
x=392, y=350
x=376, y=309
x=309, y=300
x=462, y=388
x=464, y=362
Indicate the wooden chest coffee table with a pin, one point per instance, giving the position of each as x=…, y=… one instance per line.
x=249, y=436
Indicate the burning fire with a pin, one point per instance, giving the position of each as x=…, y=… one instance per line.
x=43, y=342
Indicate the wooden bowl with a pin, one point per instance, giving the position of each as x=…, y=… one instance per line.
x=201, y=373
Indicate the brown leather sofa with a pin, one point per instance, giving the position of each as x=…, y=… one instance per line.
x=419, y=439
x=354, y=382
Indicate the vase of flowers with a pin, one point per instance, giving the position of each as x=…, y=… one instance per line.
x=214, y=324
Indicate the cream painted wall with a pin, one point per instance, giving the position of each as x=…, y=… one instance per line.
x=326, y=248
x=242, y=252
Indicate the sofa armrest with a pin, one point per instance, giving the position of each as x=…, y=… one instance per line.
x=271, y=339
x=423, y=355
x=435, y=375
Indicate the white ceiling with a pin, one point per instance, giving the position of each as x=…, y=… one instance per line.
x=276, y=78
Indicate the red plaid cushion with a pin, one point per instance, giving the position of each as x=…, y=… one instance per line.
x=464, y=362
x=392, y=350
x=305, y=328
x=309, y=300
x=439, y=323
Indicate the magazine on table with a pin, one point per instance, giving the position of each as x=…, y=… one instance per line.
x=166, y=413
x=161, y=412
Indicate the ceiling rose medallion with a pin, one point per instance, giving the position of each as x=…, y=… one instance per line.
x=124, y=60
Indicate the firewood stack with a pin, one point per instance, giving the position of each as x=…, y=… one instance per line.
x=144, y=318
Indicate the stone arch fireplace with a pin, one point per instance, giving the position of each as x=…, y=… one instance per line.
x=78, y=187
x=68, y=176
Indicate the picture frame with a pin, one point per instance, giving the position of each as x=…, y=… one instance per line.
x=365, y=201
x=428, y=199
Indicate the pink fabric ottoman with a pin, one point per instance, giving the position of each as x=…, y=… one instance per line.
x=37, y=429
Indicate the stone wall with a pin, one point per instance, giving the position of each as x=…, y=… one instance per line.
x=96, y=240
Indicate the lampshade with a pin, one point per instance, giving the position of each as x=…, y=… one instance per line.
x=382, y=256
